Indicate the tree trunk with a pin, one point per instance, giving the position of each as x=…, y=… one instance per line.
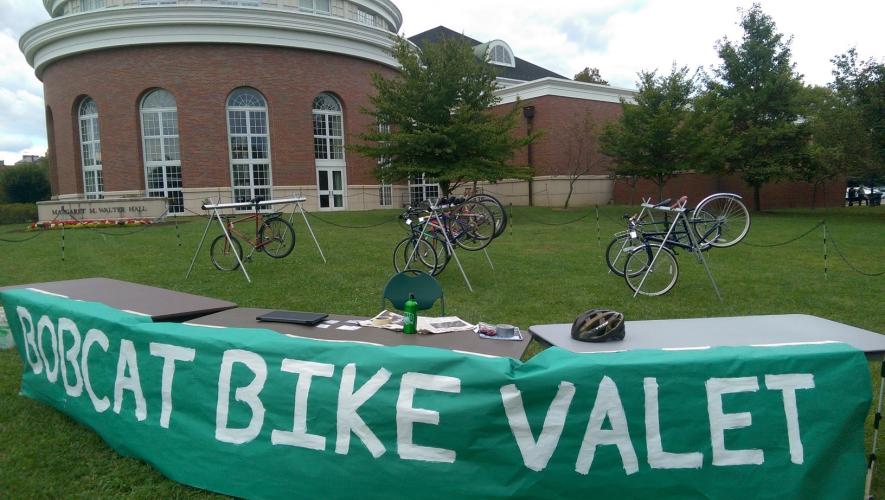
x=757, y=203
x=571, y=187
x=444, y=187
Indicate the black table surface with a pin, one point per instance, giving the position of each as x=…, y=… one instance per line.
x=158, y=303
x=243, y=317
x=713, y=332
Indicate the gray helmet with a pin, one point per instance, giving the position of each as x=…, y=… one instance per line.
x=598, y=325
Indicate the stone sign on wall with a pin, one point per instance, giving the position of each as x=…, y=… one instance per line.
x=108, y=208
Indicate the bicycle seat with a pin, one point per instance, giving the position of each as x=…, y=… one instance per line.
x=663, y=202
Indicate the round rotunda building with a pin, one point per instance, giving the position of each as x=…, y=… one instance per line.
x=196, y=99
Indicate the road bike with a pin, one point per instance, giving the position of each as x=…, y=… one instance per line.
x=436, y=229
x=720, y=220
x=273, y=236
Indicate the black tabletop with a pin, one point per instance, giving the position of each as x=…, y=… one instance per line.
x=467, y=341
x=158, y=303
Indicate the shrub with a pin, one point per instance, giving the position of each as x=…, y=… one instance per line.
x=27, y=183
x=15, y=213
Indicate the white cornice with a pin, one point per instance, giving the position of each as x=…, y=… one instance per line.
x=384, y=7
x=108, y=28
x=564, y=88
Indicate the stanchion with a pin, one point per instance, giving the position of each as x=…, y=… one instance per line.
x=177, y=232
x=871, y=465
x=62, y=242
x=598, y=237
x=826, y=259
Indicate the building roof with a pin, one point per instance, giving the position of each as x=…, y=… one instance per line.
x=522, y=70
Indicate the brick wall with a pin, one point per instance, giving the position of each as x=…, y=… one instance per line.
x=201, y=77
x=698, y=186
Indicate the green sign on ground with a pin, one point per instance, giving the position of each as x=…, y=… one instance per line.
x=252, y=413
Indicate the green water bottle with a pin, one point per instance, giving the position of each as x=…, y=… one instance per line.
x=410, y=315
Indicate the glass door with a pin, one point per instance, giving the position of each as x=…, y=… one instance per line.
x=330, y=188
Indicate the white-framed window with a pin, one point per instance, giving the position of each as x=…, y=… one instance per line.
x=385, y=188
x=162, y=155
x=328, y=130
x=315, y=6
x=90, y=149
x=500, y=54
x=422, y=188
x=249, y=140
x=365, y=17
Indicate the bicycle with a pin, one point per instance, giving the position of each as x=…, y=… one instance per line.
x=434, y=231
x=720, y=220
x=651, y=268
x=274, y=236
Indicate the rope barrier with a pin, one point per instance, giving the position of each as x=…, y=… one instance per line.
x=579, y=219
x=345, y=226
x=791, y=240
x=850, y=265
x=29, y=238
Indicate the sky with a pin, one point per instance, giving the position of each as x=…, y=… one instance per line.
x=620, y=37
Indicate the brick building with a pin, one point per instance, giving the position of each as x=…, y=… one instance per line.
x=195, y=99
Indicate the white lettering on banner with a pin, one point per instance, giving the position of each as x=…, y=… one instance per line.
x=46, y=324
x=607, y=405
x=536, y=454
x=66, y=325
x=170, y=354
x=248, y=395
x=407, y=416
x=30, y=343
x=348, y=404
x=788, y=384
x=657, y=457
x=129, y=360
x=299, y=436
x=93, y=336
x=721, y=422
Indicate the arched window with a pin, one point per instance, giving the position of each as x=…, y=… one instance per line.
x=249, y=145
x=90, y=149
x=162, y=157
x=500, y=54
x=328, y=149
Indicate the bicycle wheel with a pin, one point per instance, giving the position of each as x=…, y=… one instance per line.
x=418, y=254
x=653, y=280
x=705, y=228
x=222, y=253
x=473, y=226
x=617, y=251
x=443, y=256
x=277, y=237
x=497, y=209
x=721, y=221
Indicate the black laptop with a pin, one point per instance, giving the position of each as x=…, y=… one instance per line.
x=298, y=317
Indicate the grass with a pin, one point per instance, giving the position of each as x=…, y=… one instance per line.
x=546, y=270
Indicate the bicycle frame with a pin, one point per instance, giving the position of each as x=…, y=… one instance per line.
x=259, y=218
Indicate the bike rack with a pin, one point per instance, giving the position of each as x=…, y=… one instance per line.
x=696, y=247
x=646, y=202
x=434, y=214
x=217, y=216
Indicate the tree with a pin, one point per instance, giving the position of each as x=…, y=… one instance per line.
x=839, y=143
x=590, y=75
x=860, y=88
x=27, y=183
x=661, y=134
x=758, y=98
x=440, y=122
x=579, y=150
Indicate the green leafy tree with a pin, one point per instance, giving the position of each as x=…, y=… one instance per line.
x=860, y=88
x=758, y=96
x=437, y=109
x=661, y=134
x=28, y=183
x=839, y=143
x=590, y=75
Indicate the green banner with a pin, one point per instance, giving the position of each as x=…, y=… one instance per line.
x=253, y=413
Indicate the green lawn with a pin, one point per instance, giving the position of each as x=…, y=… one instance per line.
x=545, y=272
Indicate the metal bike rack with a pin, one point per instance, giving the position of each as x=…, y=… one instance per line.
x=217, y=216
x=679, y=210
x=434, y=214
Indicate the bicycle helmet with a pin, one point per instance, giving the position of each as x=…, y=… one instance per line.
x=598, y=325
